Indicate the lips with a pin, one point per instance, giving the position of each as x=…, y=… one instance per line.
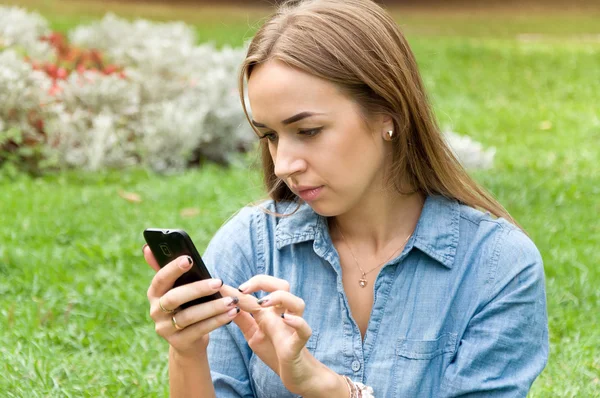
x=308, y=193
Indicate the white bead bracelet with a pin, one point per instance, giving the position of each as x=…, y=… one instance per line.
x=358, y=390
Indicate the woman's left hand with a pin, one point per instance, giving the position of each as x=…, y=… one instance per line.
x=277, y=333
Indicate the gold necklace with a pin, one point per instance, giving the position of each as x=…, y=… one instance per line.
x=362, y=282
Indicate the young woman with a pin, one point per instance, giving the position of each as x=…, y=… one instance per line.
x=378, y=264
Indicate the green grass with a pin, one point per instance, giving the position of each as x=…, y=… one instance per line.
x=73, y=312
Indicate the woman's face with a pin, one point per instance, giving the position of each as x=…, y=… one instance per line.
x=321, y=147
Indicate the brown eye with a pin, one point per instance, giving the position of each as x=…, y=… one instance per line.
x=311, y=132
x=269, y=136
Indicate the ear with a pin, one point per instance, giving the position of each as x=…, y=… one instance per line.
x=387, y=128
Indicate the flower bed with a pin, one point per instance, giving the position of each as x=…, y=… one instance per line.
x=118, y=93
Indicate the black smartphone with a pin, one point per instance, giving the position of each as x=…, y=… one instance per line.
x=168, y=244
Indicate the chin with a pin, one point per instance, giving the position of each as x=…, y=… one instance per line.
x=325, y=209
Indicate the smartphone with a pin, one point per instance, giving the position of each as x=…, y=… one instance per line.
x=168, y=244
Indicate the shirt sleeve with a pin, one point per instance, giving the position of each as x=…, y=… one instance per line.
x=232, y=256
x=505, y=346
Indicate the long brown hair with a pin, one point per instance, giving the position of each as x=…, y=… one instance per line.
x=356, y=45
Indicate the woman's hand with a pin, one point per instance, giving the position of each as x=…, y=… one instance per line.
x=186, y=330
x=277, y=333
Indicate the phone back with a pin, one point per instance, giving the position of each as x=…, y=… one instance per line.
x=166, y=245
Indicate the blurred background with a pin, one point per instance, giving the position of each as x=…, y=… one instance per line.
x=116, y=116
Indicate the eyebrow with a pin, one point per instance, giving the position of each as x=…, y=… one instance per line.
x=293, y=119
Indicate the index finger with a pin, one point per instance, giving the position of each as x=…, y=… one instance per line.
x=265, y=283
x=165, y=278
x=149, y=257
x=246, y=302
x=245, y=319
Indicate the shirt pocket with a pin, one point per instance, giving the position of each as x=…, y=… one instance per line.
x=420, y=364
x=267, y=383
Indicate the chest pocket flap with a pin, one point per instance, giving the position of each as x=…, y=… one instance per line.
x=426, y=349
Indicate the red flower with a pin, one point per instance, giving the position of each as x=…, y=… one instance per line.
x=51, y=70
x=110, y=69
x=54, y=90
x=62, y=73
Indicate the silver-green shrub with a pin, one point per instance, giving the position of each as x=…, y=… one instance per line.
x=23, y=93
x=175, y=103
x=20, y=28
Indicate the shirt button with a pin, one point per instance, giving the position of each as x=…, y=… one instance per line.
x=355, y=366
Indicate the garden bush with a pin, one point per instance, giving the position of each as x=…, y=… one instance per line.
x=117, y=93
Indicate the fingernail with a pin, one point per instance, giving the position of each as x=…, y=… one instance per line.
x=215, y=283
x=144, y=248
x=243, y=287
x=263, y=300
x=233, y=312
x=231, y=301
x=185, y=263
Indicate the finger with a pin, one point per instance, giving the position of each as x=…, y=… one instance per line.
x=149, y=257
x=282, y=299
x=257, y=338
x=167, y=275
x=247, y=324
x=249, y=305
x=303, y=330
x=196, y=330
x=266, y=283
x=188, y=292
x=253, y=313
x=247, y=302
x=201, y=312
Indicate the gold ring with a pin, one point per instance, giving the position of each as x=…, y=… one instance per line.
x=163, y=308
x=174, y=322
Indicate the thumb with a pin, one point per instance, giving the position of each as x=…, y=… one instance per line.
x=303, y=331
x=246, y=323
x=149, y=257
x=248, y=305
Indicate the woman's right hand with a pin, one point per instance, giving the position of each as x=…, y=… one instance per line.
x=194, y=323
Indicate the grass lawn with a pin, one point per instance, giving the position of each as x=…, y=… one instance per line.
x=73, y=312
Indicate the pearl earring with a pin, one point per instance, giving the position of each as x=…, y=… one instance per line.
x=390, y=134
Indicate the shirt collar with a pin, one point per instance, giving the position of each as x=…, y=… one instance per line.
x=436, y=233
x=301, y=226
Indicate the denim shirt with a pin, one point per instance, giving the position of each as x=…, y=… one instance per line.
x=460, y=312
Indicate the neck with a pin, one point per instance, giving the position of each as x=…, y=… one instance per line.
x=380, y=224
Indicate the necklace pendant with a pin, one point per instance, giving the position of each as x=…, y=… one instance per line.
x=362, y=282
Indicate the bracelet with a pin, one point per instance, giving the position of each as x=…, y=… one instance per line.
x=351, y=387
x=364, y=391
x=358, y=390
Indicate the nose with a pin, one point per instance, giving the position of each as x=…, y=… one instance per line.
x=287, y=160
